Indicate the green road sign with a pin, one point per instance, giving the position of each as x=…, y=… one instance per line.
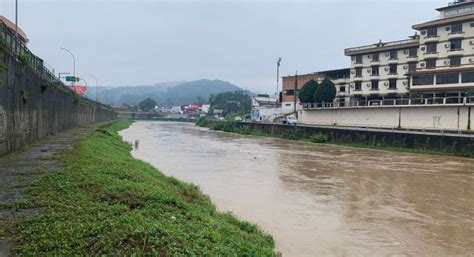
x=72, y=79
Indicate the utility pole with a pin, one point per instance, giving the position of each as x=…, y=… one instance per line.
x=278, y=77
x=295, y=92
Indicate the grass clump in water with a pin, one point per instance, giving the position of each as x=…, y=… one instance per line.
x=108, y=203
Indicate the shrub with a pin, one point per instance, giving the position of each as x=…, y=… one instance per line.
x=326, y=91
x=318, y=138
x=203, y=122
x=24, y=58
x=306, y=94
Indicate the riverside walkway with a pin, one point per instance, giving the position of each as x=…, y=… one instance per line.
x=20, y=169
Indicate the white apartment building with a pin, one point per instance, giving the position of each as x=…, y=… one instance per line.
x=437, y=62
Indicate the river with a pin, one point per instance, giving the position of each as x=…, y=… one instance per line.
x=323, y=200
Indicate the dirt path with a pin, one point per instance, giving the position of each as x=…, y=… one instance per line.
x=19, y=169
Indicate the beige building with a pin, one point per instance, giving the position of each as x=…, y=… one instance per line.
x=437, y=62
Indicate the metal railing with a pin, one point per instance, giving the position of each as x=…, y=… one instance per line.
x=468, y=100
x=19, y=49
x=9, y=41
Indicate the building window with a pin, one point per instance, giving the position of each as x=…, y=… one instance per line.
x=358, y=59
x=392, y=84
x=375, y=70
x=290, y=92
x=456, y=28
x=412, y=66
x=375, y=57
x=358, y=85
x=432, y=32
x=423, y=80
x=358, y=72
x=342, y=88
x=413, y=52
x=430, y=63
x=447, y=78
x=393, y=55
x=456, y=44
x=431, y=48
x=375, y=85
x=392, y=68
x=455, y=61
x=467, y=77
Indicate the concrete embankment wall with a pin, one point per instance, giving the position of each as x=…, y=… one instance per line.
x=407, y=117
x=31, y=107
x=449, y=143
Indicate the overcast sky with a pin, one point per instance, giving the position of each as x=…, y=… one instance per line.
x=143, y=42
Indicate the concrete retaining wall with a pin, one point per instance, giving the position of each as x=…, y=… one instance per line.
x=406, y=117
x=462, y=145
x=31, y=108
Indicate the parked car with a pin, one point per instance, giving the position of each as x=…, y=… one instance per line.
x=290, y=120
x=237, y=118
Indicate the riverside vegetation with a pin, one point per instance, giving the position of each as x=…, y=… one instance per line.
x=296, y=133
x=108, y=203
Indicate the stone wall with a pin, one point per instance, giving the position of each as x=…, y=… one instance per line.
x=31, y=107
x=429, y=117
x=462, y=145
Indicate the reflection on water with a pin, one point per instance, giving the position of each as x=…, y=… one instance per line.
x=319, y=200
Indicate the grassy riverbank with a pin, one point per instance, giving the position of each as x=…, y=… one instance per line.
x=105, y=202
x=296, y=133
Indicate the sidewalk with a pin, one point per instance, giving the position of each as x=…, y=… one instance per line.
x=20, y=169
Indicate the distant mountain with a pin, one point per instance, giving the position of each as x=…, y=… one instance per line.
x=165, y=94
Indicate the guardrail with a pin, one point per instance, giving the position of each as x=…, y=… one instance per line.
x=468, y=100
x=25, y=56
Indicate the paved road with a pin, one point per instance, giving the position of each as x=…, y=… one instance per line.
x=19, y=169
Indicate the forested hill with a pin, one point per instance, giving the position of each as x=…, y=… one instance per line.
x=165, y=94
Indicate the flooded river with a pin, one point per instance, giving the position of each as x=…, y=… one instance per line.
x=323, y=200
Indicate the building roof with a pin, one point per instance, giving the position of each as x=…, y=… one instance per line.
x=332, y=74
x=443, y=21
x=10, y=25
x=381, y=46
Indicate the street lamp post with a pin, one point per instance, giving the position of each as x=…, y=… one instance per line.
x=278, y=75
x=96, y=87
x=73, y=64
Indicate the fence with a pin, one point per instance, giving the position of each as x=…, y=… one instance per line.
x=468, y=100
x=9, y=41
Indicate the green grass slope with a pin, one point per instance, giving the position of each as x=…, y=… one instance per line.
x=108, y=203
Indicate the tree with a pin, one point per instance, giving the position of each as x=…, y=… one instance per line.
x=231, y=102
x=326, y=91
x=306, y=94
x=147, y=105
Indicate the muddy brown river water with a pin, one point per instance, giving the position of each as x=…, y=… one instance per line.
x=323, y=200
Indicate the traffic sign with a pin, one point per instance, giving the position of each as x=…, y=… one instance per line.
x=72, y=79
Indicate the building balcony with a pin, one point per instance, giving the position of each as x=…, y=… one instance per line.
x=456, y=35
x=430, y=39
x=430, y=55
x=392, y=75
x=358, y=64
x=374, y=76
x=412, y=58
x=393, y=60
x=455, y=52
x=358, y=77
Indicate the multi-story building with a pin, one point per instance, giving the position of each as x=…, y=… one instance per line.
x=289, y=97
x=437, y=62
x=380, y=70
